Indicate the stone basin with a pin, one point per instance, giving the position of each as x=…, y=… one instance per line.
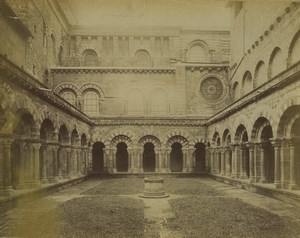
x=154, y=188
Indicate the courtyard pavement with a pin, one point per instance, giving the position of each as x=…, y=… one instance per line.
x=32, y=213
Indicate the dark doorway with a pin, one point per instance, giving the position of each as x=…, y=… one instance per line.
x=122, y=157
x=200, y=157
x=149, y=158
x=98, y=160
x=176, y=158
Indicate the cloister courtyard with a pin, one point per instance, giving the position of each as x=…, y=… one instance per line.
x=111, y=207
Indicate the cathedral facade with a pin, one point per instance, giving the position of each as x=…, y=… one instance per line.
x=79, y=100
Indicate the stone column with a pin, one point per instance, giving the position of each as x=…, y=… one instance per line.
x=276, y=143
x=156, y=151
x=79, y=161
x=69, y=163
x=189, y=165
x=292, y=184
x=283, y=161
x=243, y=174
x=251, y=161
x=114, y=159
x=167, y=160
x=21, y=169
x=72, y=162
x=227, y=161
x=234, y=161
x=130, y=160
x=263, y=178
x=212, y=160
x=55, y=148
x=162, y=159
x=36, y=163
x=222, y=151
x=207, y=159
x=5, y=166
x=184, y=155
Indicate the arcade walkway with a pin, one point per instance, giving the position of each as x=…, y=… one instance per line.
x=197, y=207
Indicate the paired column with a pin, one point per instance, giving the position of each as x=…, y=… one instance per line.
x=263, y=178
x=234, y=160
x=223, y=164
x=251, y=161
x=292, y=184
x=276, y=143
x=5, y=166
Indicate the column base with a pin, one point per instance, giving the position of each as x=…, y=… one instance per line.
x=293, y=186
x=263, y=180
x=6, y=192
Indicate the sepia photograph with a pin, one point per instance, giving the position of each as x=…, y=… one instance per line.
x=149, y=119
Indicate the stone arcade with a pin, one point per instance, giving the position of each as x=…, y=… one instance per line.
x=76, y=100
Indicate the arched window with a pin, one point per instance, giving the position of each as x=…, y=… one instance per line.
x=197, y=54
x=89, y=58
x=294, y=51
x=236, y=91
x=53, y=51
x=277, y=63
x=142, y=58
x=69, y=96
x=91, y=103
x=247, y=82
x=260, y=73
x=135, y=102
x=159, y=104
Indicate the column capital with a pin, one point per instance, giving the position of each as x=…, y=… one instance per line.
x=276, y=142
x=250, y=145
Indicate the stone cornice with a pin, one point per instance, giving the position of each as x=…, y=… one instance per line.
x=17, y=76
x=109, y=70
x=183, y=121
x=285, y=78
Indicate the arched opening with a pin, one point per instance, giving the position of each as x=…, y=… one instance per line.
x=149, y=158
x=142, y=58
x=241, y=137
x=91, y=102
x=89, y=58
x=197, y=54
x=295, y=133
x=21, y=163
x=200, y=157
x=62, y=155
x=46, y=134
x=261, y=75
x=60, y=56
x=176, y=158
x=98, y=157
x=277, y=63
x=235, y=91
x=268, y=153
x=2, y=118
x=69, y=96
x=289, y=130
x=294, y=51
x=247, y=85
x=53, y=60
x=122, y=157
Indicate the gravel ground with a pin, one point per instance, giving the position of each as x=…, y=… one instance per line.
x=110, y=217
